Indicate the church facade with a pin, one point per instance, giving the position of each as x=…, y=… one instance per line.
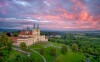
x=31, y=36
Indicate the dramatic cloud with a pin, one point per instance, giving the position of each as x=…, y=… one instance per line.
x=50, y=14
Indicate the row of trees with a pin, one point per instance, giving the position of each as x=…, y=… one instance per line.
x=53, y=52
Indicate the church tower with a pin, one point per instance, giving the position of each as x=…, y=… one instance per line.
x=36, y=33
x=38, y=29
x=27, y=31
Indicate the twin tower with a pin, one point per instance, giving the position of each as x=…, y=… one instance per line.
x=36, y=26
x=35, y=31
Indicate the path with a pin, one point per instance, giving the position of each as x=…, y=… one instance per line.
x=51, y=44
x=39, y=54
x=18, y=49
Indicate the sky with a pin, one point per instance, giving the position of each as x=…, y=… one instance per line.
x=59, y=15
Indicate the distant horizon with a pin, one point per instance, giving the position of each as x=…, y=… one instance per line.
x=49, y=30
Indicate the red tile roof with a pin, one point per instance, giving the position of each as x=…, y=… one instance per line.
x=25, y=33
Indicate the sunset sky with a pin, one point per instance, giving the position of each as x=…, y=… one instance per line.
x=60, y=15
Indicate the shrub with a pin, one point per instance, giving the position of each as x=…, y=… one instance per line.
x=64, y=49
x=75, y=47
x=23, y=46
x=41, y=51
x=53, y=51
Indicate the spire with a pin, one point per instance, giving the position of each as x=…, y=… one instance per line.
x=28, y=29
x=37, y=26
x=34, y=26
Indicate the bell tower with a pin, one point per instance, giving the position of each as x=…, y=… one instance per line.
x=36, y=32
x=38, y=29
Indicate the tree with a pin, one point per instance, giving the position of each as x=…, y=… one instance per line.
x=80, y=50
x=58, y=59
x=5, y=46
x=52, y=39
x=23, y=46
x=75, y=47
x=15, y=34
x=90, y=50
x=53, y=51
x=64, y=49
x=5, y=42
x=41, y=51
x=63, y=36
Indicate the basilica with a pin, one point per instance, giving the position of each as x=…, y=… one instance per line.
x=31, y=36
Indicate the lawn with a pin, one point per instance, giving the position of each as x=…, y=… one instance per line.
x=48, y=57
x=56, y=44
x=39, y=45
x=36, y=57
x=68, y=57
x=71, y=57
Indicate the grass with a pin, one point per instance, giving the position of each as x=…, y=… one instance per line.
x=56, y=44
x=71, y=57
x=36, y=46
x=48, y=57
x=36, y=57
x=68, y=57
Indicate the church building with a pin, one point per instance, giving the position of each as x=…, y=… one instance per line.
x=31, y=36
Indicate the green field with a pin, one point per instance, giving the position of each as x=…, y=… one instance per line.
x=68, y=57
x=71, y=57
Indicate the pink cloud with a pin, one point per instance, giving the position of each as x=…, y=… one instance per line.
x=79, y=18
